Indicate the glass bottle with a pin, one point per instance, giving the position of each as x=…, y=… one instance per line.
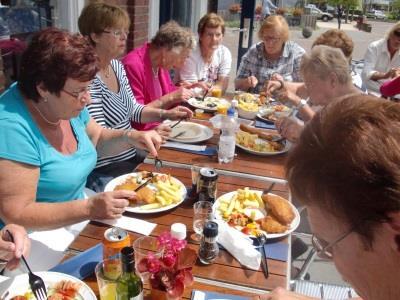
x=209, y=250
x=129, y=284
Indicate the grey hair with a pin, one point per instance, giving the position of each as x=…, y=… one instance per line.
x=173, y=36
x=323, y=61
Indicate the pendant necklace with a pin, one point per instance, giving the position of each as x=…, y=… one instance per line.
x=54, y=124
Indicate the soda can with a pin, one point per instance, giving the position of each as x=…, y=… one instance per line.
x=207, y=185
x=114, y=240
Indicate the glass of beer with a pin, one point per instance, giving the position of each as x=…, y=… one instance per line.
x=216, y=91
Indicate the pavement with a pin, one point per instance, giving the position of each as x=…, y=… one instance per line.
x=361, y=39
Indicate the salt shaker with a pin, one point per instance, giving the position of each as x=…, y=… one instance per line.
x=209, y=250
x=178, y=231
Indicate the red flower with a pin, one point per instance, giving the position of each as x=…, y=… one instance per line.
x=172, y=271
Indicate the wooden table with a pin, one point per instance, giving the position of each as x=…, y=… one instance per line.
x=225, y=275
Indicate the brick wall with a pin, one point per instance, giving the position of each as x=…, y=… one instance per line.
x=138, y=11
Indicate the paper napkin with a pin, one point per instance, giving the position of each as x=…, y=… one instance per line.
x=83, y=264
x=131, y=224
x=191, y=147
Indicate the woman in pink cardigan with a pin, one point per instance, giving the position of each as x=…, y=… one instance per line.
x=390, y=88
x=147, y=68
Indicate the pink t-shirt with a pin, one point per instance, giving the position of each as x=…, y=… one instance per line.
x=143, y=82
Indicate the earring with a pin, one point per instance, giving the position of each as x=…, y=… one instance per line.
x=45, y=100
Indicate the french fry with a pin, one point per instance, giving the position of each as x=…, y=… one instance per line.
x=231, y=204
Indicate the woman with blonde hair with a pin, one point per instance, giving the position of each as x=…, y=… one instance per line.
x=147, y=68
x=382, y=60
x=113, y=103
x=210, y=61
x=275, y=54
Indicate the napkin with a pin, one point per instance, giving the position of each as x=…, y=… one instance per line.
x=277, y=250
x=47, y=248
x=265, y=125
x=206, y=295
x=83, y=264
x=238, y=245
x=202, y=150
x=131, y=224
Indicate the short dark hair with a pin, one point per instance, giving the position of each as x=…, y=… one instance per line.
x=347, y=162
x=53, y=56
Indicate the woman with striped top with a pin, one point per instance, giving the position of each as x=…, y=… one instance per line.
x=113, y=103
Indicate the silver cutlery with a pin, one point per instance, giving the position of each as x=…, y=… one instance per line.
x=35, y=282
x=269, y=189
x=180, y=120
x=262, y=240
x=178, y=134
x=158, y=163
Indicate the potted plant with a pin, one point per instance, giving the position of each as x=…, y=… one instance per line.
x=172, y=272
x=281, y=11
x=235, y=8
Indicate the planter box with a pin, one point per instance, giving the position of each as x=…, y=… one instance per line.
x=293, y=21
x=308, y=21
x=366, y=27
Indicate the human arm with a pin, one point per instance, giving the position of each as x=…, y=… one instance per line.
x=390, y=88
x=289, y=128
x=297, y=88
x=12, y=251
x=19, y=203
x=245, y=78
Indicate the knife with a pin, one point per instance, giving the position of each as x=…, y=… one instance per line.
x=143, y=184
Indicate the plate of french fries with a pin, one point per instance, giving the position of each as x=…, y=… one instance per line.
x=162, y=193
x=259, y=142
x=252, y=213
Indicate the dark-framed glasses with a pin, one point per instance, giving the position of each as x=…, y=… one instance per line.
x=117, y=33
x=323, y=248
x=79, y=95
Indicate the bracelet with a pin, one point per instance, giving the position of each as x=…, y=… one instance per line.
x=162, y=112
x=301, y=104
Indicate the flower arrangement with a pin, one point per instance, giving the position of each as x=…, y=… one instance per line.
x=297, y=12
x=281, y=11
x=171, y=272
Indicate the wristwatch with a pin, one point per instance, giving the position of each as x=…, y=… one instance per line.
x=301, y=104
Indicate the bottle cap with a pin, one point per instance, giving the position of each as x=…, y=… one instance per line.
x=231, y=112
x=234, y=103
x=178, y=231
x=210, y=229
x=127, y=254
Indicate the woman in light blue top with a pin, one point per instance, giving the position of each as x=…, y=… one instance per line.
x=49, y=142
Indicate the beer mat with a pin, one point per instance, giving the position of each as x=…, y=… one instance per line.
x=83, y=264
x=197, y=149
x=207, y=295
x=131, y=224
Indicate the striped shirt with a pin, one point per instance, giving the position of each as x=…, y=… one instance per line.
x=254, y=63
x=114, y=110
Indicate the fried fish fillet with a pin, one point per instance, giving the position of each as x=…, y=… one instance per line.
x=271, y=225
x=279, y=207
x=144, y=195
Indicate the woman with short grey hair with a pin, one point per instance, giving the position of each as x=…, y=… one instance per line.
x=147, y=68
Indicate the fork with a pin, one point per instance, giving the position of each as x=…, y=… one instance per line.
x=176, y=124
x=262, y=240
x=268, y=189
x=158, y=163
x=35, y=282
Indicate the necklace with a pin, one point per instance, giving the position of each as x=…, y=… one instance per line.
x=44, y=118
x=107, y=72
x=155, y=73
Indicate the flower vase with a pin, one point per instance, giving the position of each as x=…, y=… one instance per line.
x=157, y=294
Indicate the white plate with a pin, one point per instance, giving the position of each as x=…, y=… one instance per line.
x=19, y=285
x=203, y=104
x=194, y=133
x=284, y=150
x=121, y=179
x=295, y=223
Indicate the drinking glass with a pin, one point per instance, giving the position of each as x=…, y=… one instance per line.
x=195, y=171
x=144, y=246
x=107, y=273
x=216, y=91
x=202, y=212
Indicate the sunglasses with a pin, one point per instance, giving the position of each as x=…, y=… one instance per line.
x=397, y=33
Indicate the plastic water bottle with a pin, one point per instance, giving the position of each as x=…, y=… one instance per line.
x=227, y=140
x=234, y=106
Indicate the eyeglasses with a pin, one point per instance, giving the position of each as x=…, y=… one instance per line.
x=117, y=33
x=78, y=96
x=323, y=248
x=271, y=39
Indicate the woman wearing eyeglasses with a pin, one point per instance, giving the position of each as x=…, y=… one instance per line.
x=113, y=103
x=49, y=142
x=382, y=60
x=275, y=54
x=344, y=171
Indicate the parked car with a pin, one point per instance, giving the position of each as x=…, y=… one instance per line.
x=324, y=16
x=376, y=14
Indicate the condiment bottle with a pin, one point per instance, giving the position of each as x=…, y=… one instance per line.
x=209, y=250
